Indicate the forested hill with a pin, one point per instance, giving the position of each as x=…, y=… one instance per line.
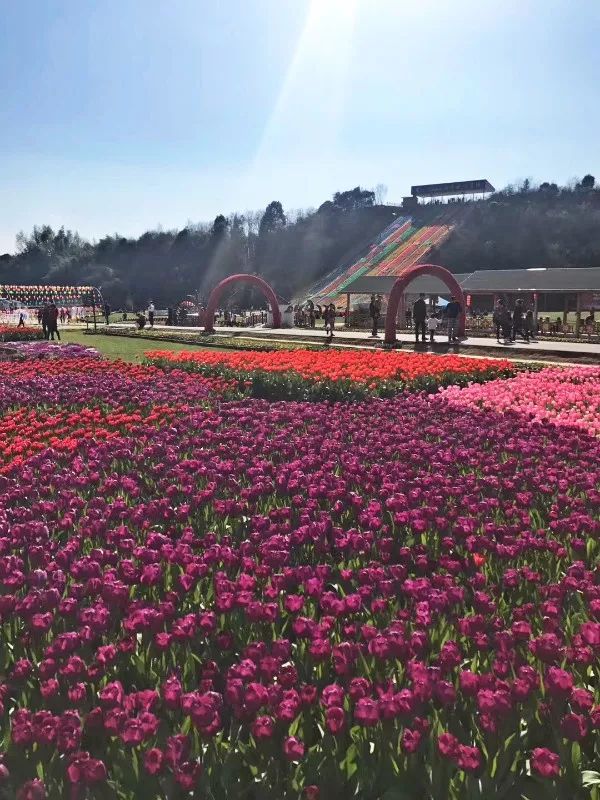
x=527, y=226
x=289, y=250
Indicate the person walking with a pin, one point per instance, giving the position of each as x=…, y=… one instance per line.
x=518, y=320
x=329, y=320
x=375, y=313
x=453, y=311
x=53, y=322
x=529, y=326
x=151, y=314
x=432, y=326
x=419, y=314
x=106, y=312
x=45, y=321
x=503, y=321
x=21, y=321
x=499, y=318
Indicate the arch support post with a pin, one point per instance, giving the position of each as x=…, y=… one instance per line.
x=407, y=277
x=253, y=280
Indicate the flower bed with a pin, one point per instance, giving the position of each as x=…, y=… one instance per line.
x=563, y=396
x=337, y=375
x=74, y=401
x=27, y=333
x=236, y=342
x=73, y=383
x=385, y=599
x=46, y=350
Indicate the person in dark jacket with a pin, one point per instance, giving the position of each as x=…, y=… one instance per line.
x=518, y=320
x=453, y=311
x=329, y=320
x=529, y=325
x=106, y=312
x=375, y=313
x=53, y=322
x=499, y=318
x=419, y=315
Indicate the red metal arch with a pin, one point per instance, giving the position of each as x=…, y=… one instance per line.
x=258, y=283
x=407, y=277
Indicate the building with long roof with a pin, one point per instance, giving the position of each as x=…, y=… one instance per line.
x=544, y=289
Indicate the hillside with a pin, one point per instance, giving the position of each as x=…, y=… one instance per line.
x=408, y=240
x=168, y=265
x=514, y=229
x=530, y=227
x=317, y=253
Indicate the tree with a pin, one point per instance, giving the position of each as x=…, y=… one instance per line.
x=380, y=193
x=219, y=227
x=326, y=207
x=272, y=219
x=353, y=199
x=588, y=182
x=266, y=251
x=525, y=187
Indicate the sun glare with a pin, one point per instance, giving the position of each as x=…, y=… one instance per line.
x=314, y=87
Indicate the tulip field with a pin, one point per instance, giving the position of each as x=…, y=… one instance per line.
x=26, y=333
x=565, y=396
x=335, y=374
x=206, y=592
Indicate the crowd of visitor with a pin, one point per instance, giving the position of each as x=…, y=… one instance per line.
x=518, y=323
x=48, y=317
x=427, y=320
x=306, y=315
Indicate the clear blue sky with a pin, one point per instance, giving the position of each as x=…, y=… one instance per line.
x=119, y=115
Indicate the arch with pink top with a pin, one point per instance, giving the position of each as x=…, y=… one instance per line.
x=407, y=277
x=253, y=280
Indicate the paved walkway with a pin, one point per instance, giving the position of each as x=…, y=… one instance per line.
x=564, y=349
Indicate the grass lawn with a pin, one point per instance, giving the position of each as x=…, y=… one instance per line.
x=121, y=346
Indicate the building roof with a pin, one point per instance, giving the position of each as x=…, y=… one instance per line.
x=374, y=284
x=481, y=185
x=554, y=279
